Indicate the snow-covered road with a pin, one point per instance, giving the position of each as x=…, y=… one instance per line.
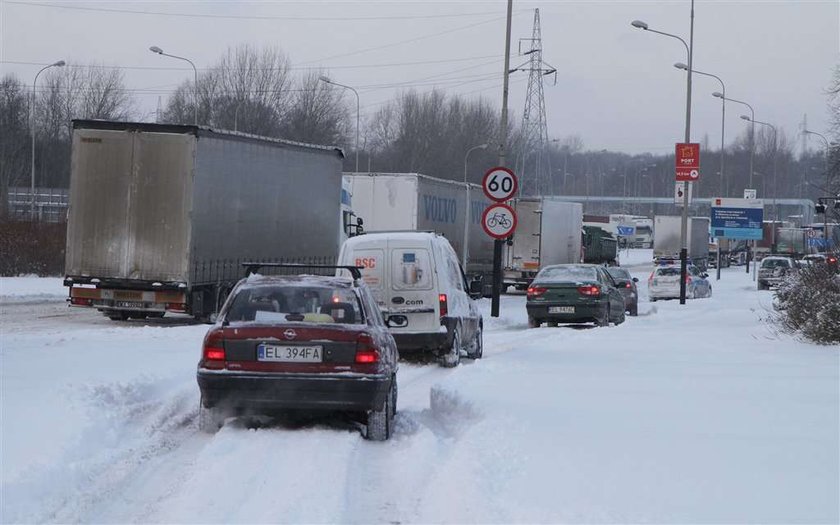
x=692, y=414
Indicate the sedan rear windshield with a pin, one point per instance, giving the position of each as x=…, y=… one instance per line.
x=281, y=303
x=619, y=273
x=568, y=273
x=775, y=263
x=668, y=271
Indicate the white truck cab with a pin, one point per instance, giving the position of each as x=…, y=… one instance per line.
x=420, y=287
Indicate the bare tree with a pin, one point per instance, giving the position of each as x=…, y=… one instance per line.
x=248, y=89
x=317, y=114
x=14, y=139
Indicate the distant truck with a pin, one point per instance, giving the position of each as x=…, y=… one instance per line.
x=416, y=202
x=548, y=232
x=161, y=216
x=599, y=246
x=667, y=231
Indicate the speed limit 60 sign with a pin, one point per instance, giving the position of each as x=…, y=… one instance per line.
x=499, y=184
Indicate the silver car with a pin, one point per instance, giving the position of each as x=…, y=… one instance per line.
x=664, y=283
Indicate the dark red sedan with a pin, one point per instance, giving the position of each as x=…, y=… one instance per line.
x=300, y=343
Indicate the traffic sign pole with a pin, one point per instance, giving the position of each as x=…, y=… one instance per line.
x=499, y=221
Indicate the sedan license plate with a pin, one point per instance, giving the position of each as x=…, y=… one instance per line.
x=561, y=309
x=290, y=354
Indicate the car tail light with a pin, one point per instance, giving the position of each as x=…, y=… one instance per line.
x=536, y=291
x=590, y=290
x=81, y=301
x=366, y=351
x=628, y=284
x=832, y=260
x=687, y=279
x=214, y=346
x=444, y=307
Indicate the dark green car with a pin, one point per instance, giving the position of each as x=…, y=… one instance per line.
x=574, y=293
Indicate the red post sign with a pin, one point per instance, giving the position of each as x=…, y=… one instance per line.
x=687, y=159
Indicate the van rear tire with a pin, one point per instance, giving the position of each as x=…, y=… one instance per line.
x=452, y=358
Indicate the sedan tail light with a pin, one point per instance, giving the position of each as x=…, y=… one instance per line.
x=590, y=290
x=628, y=284
x=366, y=350
x=214, y=346
x=536, y=291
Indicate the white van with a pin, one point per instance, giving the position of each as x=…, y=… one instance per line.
x=421, y=289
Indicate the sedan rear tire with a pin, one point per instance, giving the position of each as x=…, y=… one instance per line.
x=380, y=423
x=210, y=420
x=533, y=322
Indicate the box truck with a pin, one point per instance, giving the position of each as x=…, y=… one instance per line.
x=162, y=216
x=667, y=231
x=548, y=232
x=416, y=202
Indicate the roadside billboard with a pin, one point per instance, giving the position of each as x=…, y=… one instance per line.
x=737, y=218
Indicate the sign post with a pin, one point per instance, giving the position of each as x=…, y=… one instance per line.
x=687, y=160
x=499, y=221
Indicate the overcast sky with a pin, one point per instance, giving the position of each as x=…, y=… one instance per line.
x=616, y=85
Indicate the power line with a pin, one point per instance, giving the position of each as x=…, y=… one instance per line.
x=247, y=17
x=291, y=68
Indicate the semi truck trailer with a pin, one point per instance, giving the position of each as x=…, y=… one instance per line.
x=162, y=216
x=666, y=239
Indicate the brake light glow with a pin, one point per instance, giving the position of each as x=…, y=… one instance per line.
x=444, y=307
x=589, y=290
x=832, y=260
x=628, y=285
x=214, y=346
x=366, y=351
x=536, y=291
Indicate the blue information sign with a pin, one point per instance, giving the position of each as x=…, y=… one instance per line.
x=737, y=218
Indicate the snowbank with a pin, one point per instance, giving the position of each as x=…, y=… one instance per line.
x=31, y=288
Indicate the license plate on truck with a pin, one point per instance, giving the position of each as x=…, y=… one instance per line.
x=561, y=309
x=130, y=304
x=287, y=354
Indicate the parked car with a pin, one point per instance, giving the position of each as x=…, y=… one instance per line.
x=773, y=270
x=664, y=283
x=303, y=343
x=421, y=289
x=627, y=286
x=574, y=293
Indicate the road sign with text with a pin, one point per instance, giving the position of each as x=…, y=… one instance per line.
x=687, y=160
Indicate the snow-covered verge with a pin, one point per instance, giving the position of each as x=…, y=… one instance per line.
x=686, y=414
x=31, y=288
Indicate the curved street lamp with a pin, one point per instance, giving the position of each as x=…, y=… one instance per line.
x=159, y=51
x=327, y=80
x=752, y=131
x=60, y=63
x=775, y=185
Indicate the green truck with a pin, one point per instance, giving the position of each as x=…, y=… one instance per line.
x=599, y=246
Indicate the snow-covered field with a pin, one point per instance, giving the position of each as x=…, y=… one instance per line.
x=686, y=414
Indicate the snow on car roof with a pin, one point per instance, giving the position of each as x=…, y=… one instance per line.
x=256, y=279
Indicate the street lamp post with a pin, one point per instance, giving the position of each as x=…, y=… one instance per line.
x=327, y=80
x=825, y=153
x=775, y=185
x=159, y=51
x=722, y=96
x=680, y=65
x=60, y=63
x=465, y=254
x=684, y=229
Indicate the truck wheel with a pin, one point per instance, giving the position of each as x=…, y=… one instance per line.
x=533, y=323
x=452, y=358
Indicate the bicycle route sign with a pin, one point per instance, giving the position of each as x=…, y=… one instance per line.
x=499, y=220
x=500, y=184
